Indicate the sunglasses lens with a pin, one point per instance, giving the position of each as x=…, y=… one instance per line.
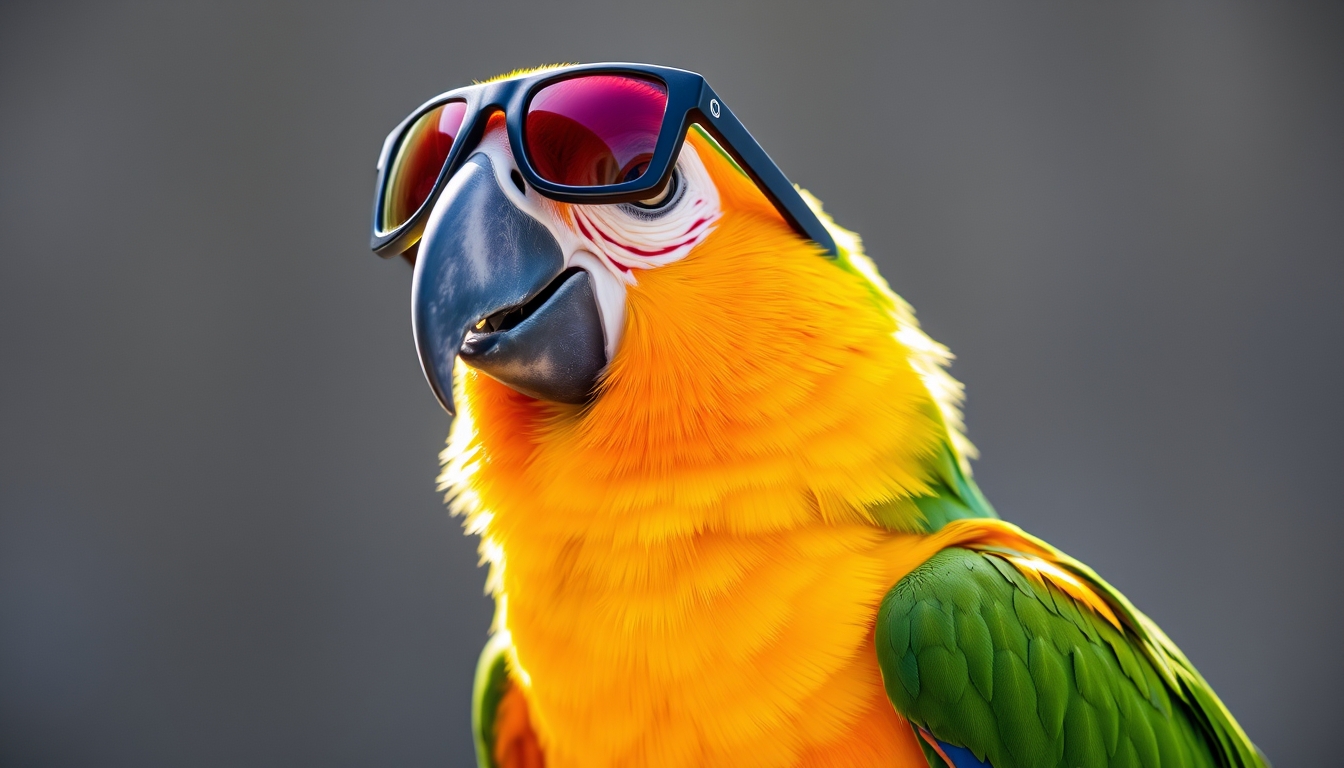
x=594, y=131
x=419, y=158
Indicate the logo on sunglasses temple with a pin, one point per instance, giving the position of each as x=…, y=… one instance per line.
x=714, y=107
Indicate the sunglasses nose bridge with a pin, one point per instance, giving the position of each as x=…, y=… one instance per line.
x=492, y=139
x=489, y=132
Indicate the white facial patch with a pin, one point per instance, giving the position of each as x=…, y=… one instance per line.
x=630, y=237
x=610, y=242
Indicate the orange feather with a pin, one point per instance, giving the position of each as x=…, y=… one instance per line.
x=686, y=568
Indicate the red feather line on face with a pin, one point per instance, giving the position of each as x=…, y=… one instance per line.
x=578, y=219
x=626, y=240
x=602, y=233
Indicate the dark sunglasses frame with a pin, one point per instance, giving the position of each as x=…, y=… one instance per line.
x=689, y=100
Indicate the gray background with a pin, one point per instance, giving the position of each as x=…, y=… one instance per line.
x=220, y=543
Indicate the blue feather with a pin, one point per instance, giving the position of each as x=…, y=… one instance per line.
x=962, y=757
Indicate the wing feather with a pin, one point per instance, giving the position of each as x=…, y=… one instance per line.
x=1004, y=646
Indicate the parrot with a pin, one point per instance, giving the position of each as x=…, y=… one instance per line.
x=723, y=489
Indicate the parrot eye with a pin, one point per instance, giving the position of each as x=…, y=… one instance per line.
x=660, y=203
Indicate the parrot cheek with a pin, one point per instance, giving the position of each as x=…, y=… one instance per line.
x=491, y=285
x=609, y=289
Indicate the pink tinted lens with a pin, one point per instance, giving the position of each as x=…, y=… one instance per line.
x=594, y=131
x=419, y=158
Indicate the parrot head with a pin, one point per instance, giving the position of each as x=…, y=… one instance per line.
x=534, y=293
x=680, y=348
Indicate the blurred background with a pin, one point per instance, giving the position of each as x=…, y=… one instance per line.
x=220, y=542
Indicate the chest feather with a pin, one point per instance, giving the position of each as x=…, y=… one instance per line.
x=715, y=649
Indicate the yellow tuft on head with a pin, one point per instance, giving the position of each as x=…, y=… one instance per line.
x=523, y=71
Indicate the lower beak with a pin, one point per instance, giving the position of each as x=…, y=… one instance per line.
x=491, y=276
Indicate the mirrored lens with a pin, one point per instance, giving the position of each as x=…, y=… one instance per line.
x=594, y=131
x=419, y=158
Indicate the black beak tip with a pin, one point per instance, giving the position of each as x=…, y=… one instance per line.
x=446, y=401
x=438, y=368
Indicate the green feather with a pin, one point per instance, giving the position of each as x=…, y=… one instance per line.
x=492, y=682
x=1083, y=744
x=1052, y=685
x=985, y=657
x=1019, y=727
x=1004, y=628
x=978, y=649
x=945, y=672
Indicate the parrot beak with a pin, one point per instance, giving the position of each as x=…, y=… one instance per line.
x=491, y=287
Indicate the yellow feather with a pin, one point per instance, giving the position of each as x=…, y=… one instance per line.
x=686, y=567
x=523, y=71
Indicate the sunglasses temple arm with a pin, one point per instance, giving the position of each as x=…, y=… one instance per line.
x=724, y=126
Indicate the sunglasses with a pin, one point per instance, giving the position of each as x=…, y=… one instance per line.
x=594, y=134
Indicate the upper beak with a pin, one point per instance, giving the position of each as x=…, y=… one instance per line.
x=488, y=269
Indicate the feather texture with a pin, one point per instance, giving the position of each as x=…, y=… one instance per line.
x=687, y=570
x=1002, y=645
